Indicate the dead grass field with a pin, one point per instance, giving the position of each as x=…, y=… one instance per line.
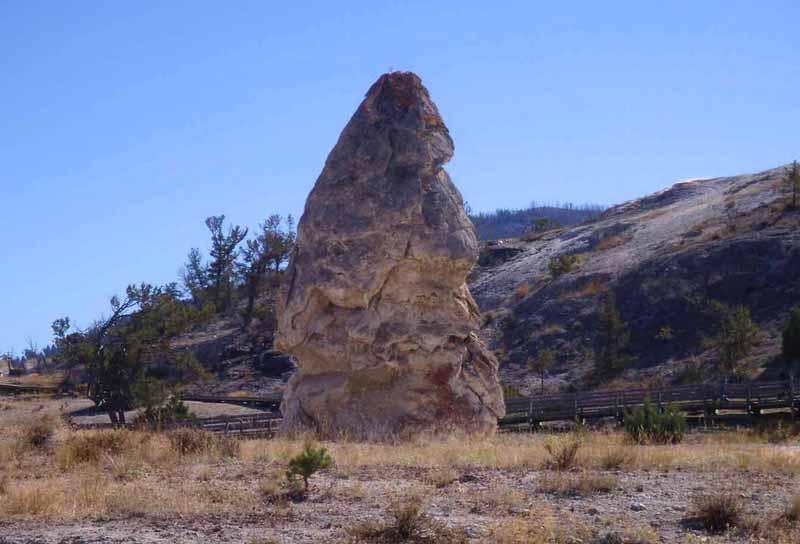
x=122, y=486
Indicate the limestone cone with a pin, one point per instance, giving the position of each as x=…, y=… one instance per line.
x=375, y=305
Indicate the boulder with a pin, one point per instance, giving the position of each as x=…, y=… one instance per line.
x=375, y=306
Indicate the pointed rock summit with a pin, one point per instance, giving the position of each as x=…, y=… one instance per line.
x=375, y=305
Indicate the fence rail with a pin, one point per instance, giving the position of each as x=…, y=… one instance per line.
x=16, y=388
x=706, y=399
x=256, y=425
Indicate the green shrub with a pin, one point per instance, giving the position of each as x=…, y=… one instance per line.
x=791, y=336
x=170, y=412
x=691, y=372
x=564, y=263
x=650, y=425
x=307, y=463
x=512, y=392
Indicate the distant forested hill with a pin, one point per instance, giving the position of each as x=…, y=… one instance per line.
x=505, y=223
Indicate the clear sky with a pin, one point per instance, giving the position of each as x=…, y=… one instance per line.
x=123, y=125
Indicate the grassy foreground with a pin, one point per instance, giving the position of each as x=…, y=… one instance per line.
x=501, y=488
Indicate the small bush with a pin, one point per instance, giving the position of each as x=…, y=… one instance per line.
x=511, y=392
x=188, y=441
x=793, y=510
x=271, y=490
x=92, y=447
x=649, y=425
x=611, y=242
x=691, y=373
x=522, y=290
x=307, y=463
x=581, y=485
x=562, y=456
x=38, y=434
x=558, y=266
x=170, y=412
x=442, y=477
x=409, y=523
x=615, y=459
x=497, y=497
x=719, y=513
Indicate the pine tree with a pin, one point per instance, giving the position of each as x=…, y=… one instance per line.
x=195, y=276
x=266, y=253
x=614, y=339
x=791, y=337
x=736, y=336
x=223, y=257
x=791, y=181
x=542, y=363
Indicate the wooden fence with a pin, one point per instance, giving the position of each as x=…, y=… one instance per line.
x=15, y=388
x=705, y=399
x=252, y=425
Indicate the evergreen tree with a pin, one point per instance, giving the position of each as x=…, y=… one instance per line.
x=267, y=253
x=614, y=339
x=542, y=363
x=791, y=182
x=791, y=337
x=223, y=257
x=736, y=337
x=113, y=355
x=195, y=276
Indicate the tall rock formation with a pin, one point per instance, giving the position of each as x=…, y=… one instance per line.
x=375, y=305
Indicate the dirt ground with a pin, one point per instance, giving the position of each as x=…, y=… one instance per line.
x=486, y=489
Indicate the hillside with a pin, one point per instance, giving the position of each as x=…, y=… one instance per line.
x=665, y=257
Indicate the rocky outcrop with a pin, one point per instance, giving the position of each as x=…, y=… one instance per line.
x=375, y=305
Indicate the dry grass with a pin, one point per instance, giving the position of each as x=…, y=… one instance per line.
x=611, y=242
x=551, y=329
x=408, y=523
x=239, y=394
x=582, y=484
x=616, y=459
x=111, y=474
x=591, y=288
x=522, y=290
x=719, y=513
x=441, y=477
x=497, y=497
x=545, y=527
x=793, y=510
x=714, y=452
x=563, y=454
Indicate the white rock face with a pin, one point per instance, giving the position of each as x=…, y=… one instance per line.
x=375, y=306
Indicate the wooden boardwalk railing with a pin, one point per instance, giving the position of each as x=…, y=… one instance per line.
x=707, y=399
x=16, y=388
x=251, y=425
x=704, y=399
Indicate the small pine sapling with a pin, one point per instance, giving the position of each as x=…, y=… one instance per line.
x=307, y=463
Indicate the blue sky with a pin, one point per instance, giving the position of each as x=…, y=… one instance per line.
x=123, y=125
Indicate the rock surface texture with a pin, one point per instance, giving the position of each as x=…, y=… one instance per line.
x=375, y=305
